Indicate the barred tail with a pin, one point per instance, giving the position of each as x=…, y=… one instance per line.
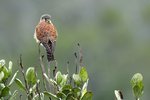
x=50, y=55
x=49, y=50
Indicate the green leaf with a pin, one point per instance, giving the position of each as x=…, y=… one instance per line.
x=20, y=84
x=42, y=96
x=50, y=81
x=76, y=92
x=52, y=96
x=3, y=68
x=1, y=86
x=137, y=91
x=58, y=77
x=61, y=95
x=84, y=88
x=136, y=78
x=33, y=88
x=77, y=79
x=13, y=78
x=1, y=75
x=13, y=96
x=87, y=96
x=2, y=98
x=5, y=92
x=64, y=79
x=83, y=74
x=6, y=73
x=2, y=62
x=66, y=92
x=10, y=68
x=137, y=85
x=36, y=97
x=61, y=79
x=70, y=97
x=67, y=87
x=31, y=76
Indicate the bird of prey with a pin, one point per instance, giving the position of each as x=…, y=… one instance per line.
x=46, y=34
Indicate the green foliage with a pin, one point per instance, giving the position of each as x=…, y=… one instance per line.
x=87, y=96
x=54, y=97
x=61, y=79
x=10, y=68
x=137, y=85
x=64, y=88
x=20, y=84
x=5, y=75
x=50, y=81
x=13, y=78
x=83, y=74
x=30, y=84
x=1, y=75
x=58, y=77
x=67, y=91
x=80, y=78
x=5, y=91
x=77, y=79
x=30, y=75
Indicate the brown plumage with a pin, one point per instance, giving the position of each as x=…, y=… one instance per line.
x=46, y=34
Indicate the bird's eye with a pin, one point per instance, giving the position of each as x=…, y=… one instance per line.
x=48, y=21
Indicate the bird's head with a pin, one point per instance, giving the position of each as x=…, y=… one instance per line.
x=46, y=18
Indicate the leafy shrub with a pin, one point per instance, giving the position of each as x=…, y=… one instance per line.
x=6, y=80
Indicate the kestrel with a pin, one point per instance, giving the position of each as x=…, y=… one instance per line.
x=46, y=34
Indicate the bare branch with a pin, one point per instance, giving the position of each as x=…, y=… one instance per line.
x=20, y=97
x=80, y=55
x=68, y=67
x=38, y=91
x=118, y=95
x=23, y=73
x=76, y=62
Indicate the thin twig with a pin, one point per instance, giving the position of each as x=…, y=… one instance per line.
x=69, y=81
x=20, y=96
x=55, y=68
x=54, y=71
x=76, y=62
x=38, y=91
x=68, y=67
x=37, y=85
x=23, y=73
x=49, y=75
x=80, y=56
x=54, y=74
